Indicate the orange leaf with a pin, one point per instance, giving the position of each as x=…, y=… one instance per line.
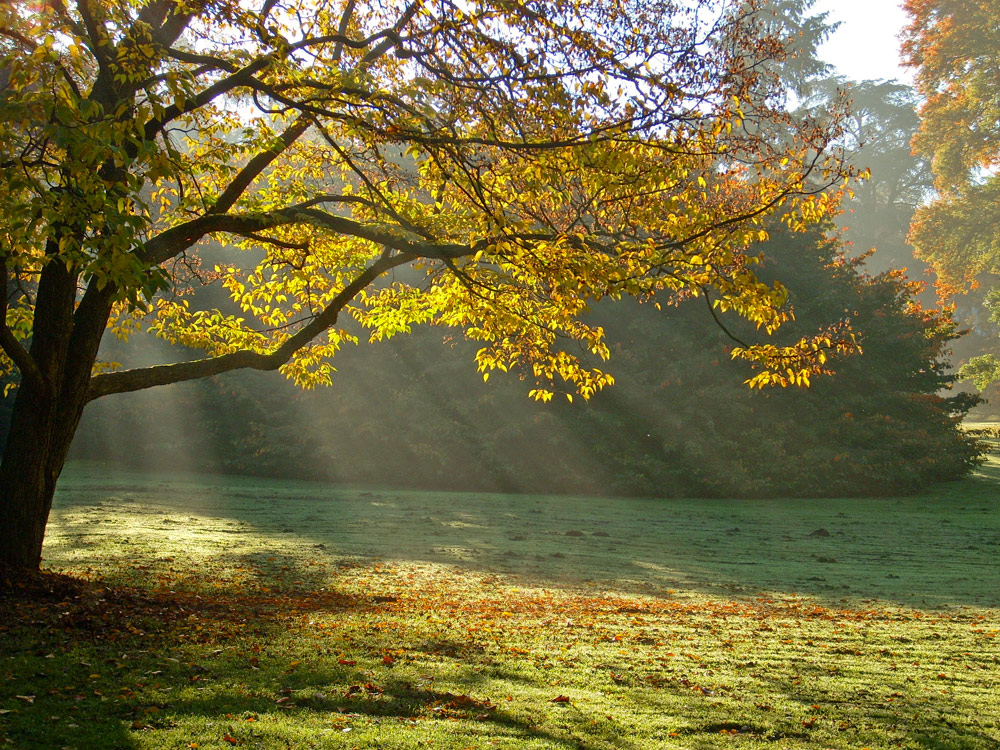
x=560, y=699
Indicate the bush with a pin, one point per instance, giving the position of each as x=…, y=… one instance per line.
x=879, y=426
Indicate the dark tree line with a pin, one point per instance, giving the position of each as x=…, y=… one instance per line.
x=679, y=420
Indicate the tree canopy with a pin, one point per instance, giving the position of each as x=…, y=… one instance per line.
x=678, y=421
x=528, y=158
x=492, y=166
x=955, y=47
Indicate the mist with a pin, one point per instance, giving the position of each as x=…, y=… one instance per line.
x=413, y=413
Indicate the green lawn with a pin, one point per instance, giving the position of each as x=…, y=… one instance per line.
x=228, y=612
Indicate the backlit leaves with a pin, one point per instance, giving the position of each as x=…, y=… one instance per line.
x=954, y=46
x=510, y=164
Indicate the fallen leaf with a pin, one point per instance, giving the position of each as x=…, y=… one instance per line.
x=560, y=699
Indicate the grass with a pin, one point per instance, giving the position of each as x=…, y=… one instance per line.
x=226, y=612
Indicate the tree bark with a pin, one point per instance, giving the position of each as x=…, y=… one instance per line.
x=37, y=444
x=47, y=411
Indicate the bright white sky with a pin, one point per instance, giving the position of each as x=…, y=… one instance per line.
x=866, y=46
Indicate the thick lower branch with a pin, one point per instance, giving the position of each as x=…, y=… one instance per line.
x=127, y=381
x=139, y=379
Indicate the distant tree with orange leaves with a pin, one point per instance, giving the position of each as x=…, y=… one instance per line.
x=955, y=46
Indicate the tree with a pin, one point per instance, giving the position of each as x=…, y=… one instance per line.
x=877, y=134
x=955, y=46
x=885, y=428
x=802, y=31
x=515, y=162
x=880, y=128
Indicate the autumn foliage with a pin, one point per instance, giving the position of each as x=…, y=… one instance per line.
x=954, y=47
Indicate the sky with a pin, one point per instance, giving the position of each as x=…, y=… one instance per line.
x=866, y=46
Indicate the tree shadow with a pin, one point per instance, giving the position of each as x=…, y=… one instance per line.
x=163, y=642
x=148, y=642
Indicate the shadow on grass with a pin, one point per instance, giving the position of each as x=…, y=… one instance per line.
x=84, y=664
x=391, y=707
x=125, y=668
x=928, y=722
x=121, y=663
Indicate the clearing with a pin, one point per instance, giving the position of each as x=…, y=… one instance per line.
x=220, y=612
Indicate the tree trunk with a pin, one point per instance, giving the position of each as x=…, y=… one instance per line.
x=40, y=434
x=46, y=414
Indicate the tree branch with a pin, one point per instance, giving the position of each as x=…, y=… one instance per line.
x=153, y=13
x=258, y=164
x=173, y=25
x=718, y=320
x=238, y=78
x=345, y=22
x=148, y=377
x=30, y=46
x=13, y=348
x=391, y=36
x=176, y=240
x=60, y=8
x=99, y=44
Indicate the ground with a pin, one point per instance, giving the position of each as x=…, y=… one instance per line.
x=212, y=612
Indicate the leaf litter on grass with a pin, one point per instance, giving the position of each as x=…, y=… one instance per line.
x=276, y=642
